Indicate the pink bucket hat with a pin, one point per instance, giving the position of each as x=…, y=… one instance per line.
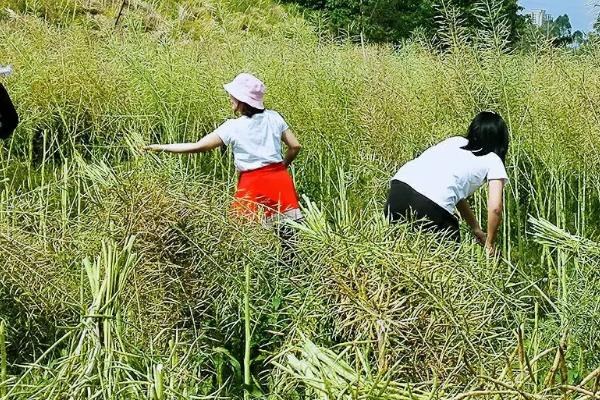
x=247, y=88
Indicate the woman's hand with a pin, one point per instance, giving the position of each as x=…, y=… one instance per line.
x=465, y=211
x=480, y=236
x=490, y=249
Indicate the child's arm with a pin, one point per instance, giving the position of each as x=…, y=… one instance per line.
x=293, y=146
x=208, y=142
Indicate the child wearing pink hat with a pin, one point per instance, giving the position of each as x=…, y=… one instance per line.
x=255, y=137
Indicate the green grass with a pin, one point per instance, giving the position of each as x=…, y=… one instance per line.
x=205, y=308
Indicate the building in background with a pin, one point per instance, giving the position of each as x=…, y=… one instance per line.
x=539, y=17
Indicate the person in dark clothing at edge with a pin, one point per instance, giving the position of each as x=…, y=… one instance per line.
x=431, y=187
x=9, y=119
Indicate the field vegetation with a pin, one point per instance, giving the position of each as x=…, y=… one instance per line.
x=123, y=276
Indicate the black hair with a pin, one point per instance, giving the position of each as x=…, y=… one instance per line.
x=488, y=133
x=247, y=110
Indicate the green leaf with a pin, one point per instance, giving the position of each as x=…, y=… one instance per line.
x=235, y=364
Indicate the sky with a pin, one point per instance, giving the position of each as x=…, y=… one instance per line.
x=582, y=13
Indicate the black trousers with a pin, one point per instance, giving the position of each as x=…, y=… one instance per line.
x=404, y=203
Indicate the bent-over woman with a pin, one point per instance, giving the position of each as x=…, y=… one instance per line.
x=439, y=181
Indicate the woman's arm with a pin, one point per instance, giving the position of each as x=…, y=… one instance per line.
x=293, y=146
x=495, y=199
x=467, y=213
x=208, y=142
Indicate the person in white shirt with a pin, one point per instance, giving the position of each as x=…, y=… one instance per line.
x=438, y=182
x=265, y=186
x=9, y=119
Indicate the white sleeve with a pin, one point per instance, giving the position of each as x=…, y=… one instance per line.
x=226, y=132
x=282, y=126
x=496, y=170
x=458, y=141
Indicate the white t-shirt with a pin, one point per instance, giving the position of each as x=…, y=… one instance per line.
x=255, y=141
x=446, y=174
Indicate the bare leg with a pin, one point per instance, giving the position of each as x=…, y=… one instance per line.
x=289, y=244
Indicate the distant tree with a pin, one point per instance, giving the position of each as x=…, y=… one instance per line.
x=559, y=30
x=509, y=9
x=561, y=27
x=578, y=38
x=377, y=20
x=594, y=35
x=393, y=20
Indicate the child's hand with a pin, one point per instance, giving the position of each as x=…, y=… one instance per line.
x=153, y=147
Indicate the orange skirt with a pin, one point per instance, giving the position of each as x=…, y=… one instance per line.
x=269, y=190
